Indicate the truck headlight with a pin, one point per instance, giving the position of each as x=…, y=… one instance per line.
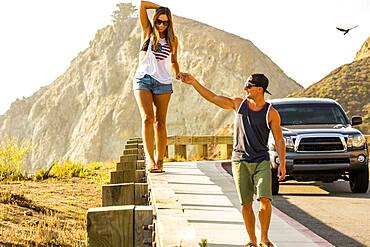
x=356, y=141
x=289, y=142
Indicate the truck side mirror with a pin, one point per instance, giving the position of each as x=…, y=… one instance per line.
x=356, y=120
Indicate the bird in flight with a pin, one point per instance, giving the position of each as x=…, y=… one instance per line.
x=345, y=31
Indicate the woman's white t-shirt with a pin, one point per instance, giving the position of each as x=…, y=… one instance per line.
x=156, y=63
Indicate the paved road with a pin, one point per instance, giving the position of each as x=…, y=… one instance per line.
x=328, y=209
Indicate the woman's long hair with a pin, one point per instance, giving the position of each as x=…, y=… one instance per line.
x=169, y=33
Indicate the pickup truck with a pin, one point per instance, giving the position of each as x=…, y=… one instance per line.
x=321, y=143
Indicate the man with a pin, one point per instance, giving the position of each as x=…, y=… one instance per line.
x=254, y=118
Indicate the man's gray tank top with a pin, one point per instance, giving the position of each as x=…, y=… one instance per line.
x=251, y=133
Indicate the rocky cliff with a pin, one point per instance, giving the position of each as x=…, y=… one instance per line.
x=89, y=111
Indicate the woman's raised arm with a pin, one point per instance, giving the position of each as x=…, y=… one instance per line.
x=144, y=20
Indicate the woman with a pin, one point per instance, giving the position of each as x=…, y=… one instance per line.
x=153, y=80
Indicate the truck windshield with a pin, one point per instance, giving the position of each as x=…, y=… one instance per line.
x=313, y=113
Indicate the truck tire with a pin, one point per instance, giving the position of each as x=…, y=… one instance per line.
x=274, y=182
x=359, y=180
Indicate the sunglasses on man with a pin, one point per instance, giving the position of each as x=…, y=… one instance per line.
x=249, y=85
x=159, y=22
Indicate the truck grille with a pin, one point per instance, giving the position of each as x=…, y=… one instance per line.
x=322, y=161
x=320, y=144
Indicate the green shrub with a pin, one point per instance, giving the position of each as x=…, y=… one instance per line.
x=203, y=243
x=12, y=155
x=41, y=174
x=69, y=169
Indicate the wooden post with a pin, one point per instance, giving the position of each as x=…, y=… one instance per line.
x=140, y=176
x=226, y=150
x=135, y=141
x=126, y=166
x=166, y=152
x=180, y=150
x=118, y=177
x=201, y=150
x=140, y=165
x=129, y=158
x=110, y=226
x=141, y=194
x=229, y=150
x=138, y=152
x=118, y=194
x=143, y=219
x=136, y=145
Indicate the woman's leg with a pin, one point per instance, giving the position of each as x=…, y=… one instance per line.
x=161, y=105
x=144, y=99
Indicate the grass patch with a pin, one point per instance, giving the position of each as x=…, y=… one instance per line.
x=21, y=201
x=96, y=171
x=49, y=212
x=12, y=156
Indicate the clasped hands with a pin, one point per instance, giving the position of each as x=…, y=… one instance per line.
x=185, y=78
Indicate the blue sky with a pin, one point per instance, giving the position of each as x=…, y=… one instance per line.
x=39, y=38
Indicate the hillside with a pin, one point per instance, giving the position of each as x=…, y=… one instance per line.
x=89, y=111
x=349, y=85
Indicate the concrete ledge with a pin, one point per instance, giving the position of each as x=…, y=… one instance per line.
x=169, y=215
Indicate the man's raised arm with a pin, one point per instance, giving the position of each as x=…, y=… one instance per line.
x=221, y=101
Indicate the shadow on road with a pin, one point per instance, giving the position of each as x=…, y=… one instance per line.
x=315, y=225
x=337, y=189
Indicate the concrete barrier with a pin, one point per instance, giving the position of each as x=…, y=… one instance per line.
x=171, y=226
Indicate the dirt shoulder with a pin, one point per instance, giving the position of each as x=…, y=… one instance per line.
x=46, y=213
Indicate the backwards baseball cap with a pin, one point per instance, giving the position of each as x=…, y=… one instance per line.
x=258, y=80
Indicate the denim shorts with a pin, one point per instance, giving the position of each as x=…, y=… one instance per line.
x=152, y=85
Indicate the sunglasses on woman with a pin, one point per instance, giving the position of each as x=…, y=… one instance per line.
x=159, y=22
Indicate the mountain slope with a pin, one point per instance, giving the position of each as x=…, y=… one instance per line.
x=349, y=85
x=88, y=112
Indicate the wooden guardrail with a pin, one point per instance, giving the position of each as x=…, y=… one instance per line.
x=201, y=144
x=125, y=217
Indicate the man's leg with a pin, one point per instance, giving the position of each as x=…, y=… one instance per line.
x=262, y=178
x=264, y=216
x=242, y=174
x=249, y=222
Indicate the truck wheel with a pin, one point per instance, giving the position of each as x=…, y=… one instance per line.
x=359, y=180
x=274, y=182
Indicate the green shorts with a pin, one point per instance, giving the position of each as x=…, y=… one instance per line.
x=252, y=178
